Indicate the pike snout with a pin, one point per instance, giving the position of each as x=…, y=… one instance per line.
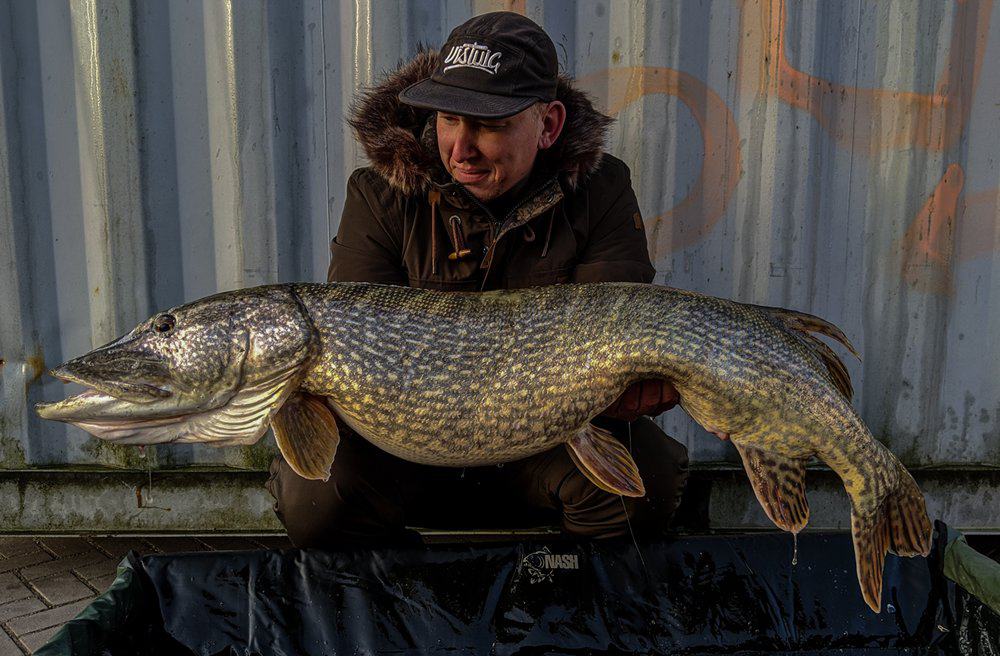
x=212, y=371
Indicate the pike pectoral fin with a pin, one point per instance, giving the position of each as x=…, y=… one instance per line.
x=605, y=461
x=307, y=435
x=779, y=484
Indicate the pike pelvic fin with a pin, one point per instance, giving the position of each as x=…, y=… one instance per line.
x=307, y=434
x=802, y=325
x=605, y=461
x=900, y=525
x=779, y=484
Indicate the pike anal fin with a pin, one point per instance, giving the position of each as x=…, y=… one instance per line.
x=307, y=435
x=605, y=461
x=900, y=525
x=779, y=484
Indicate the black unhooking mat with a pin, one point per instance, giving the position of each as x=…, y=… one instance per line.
x=690, y=595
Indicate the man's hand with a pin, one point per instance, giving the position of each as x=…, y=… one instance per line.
x=647, y=397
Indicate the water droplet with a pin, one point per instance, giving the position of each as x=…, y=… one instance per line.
x=149, y=470
x=890, y=608
x=795, y=549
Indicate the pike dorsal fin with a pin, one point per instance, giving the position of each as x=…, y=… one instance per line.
x=779, y=484
x=802, y=325
x=605, y=461
x=307, y=435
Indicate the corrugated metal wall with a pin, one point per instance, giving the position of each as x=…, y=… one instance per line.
x=835, y=157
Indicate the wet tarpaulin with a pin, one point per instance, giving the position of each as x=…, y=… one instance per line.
x=750, y=593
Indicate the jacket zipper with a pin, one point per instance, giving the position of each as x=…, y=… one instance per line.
x=498, y=226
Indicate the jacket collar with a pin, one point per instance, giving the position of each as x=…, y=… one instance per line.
x=401, y=142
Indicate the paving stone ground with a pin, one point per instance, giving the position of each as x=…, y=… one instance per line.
x=45, y=581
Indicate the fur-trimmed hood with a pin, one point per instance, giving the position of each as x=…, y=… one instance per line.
x=402, y=146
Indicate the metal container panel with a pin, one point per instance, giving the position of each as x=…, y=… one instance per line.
x=836, y=158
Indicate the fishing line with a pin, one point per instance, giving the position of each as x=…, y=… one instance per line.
x=147, y=503
x=628, y=521
x=149, y=470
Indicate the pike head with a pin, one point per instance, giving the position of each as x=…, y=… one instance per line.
x=212, y=371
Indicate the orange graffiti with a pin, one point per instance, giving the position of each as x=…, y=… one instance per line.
x=980, y=230
x=865, y=120
x=876, y=119
x=517, y=6
x=484, y=6
x=692, y=218
x=929, y=242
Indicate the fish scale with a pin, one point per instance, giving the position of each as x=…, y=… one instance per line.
x=517, y=382
x=536, y=352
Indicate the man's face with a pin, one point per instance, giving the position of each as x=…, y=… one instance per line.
x=489, y=156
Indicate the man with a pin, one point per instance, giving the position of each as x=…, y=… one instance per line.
x=487, y=173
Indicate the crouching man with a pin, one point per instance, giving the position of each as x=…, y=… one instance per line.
x=487, y=172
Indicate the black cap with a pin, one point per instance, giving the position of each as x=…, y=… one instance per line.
x=492, y=66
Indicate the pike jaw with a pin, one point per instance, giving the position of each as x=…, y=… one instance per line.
x=213, y=371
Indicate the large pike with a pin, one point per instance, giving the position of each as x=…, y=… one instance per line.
x=464, y=379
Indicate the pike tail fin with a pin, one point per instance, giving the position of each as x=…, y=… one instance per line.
x=910, y=527
x=900, y=525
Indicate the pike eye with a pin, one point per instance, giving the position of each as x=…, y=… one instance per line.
x=163, y=323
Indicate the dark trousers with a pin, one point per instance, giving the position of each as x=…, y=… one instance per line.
x=372, y=496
